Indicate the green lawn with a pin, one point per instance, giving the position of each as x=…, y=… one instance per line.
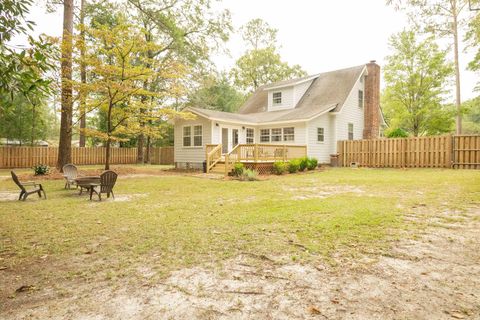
x=174, y=221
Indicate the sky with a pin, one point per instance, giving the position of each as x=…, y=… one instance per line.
x=319, y=35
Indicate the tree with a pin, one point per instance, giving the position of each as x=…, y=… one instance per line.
x=471, y=116
x=65, y=142
x=117, y=63
x=216, y=93
x=187, y=29
x=23, y=82
x=83, y=74
x=25, y=121
x=258, y=34
x=443, y=18
x=261, y=64
x=473, y=37
x=415, y=76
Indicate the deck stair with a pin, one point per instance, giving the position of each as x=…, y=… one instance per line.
x=254, y=156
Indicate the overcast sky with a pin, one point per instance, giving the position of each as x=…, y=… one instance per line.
x=319, y=35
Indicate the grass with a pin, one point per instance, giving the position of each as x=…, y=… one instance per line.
x=172, y=222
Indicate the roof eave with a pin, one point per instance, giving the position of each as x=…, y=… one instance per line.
x=291, y=84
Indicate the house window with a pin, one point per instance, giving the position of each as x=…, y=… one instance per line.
x=265, y=135
x=360, y=98
x=350, y=131
x=235, y=137
x=277, y=98
x=250, y=135
x=320, y=134
x=187, y=136
x=197, y=136
x=289, y=134
x=277, y=134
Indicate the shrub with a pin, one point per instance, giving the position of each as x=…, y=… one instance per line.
x=396, y=133
x=279, y=167
x=249, y=175
x=238, y=169
x=312, y=164
x=41, y=169
x=294, y=165
x=303, y=163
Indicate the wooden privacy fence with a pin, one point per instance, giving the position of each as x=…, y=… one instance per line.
x=26, y=157
x=459, y=151
x=163, y=155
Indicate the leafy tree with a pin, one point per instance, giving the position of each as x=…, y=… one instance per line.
x=444, y=19
x=23, y=82
x=258, y=34
x=117, y=63
x=415, y=77
x=261, y=64
x=471, y=116
x=187, y=29
x=473, y=37
x=25, y=121
x=218, y=94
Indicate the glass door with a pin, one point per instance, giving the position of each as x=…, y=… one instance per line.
x=224, y=140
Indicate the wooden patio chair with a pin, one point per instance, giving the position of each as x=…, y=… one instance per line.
x=70, y=173
x=24, y=193
x=107, y=182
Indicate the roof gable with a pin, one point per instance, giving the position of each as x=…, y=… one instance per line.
x=327, y=89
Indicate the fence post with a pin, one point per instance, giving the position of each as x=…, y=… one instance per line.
x=450, y=152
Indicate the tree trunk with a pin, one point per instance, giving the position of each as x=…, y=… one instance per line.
x=140, y=145
x=109, y=130
x=458, y=101
x=33, y=125
x=107, y=154
x=147, y=157
x=65, y=143
x=83, y=76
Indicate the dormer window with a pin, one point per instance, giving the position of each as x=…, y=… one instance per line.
x=277, y=98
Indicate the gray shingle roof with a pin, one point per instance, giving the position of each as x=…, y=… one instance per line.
x=327, y=92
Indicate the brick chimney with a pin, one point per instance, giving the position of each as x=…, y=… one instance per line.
x=372, y=102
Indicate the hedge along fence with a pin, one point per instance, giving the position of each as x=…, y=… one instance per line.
x=458, y=151
x=26, y=157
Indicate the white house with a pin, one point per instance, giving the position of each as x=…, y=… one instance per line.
x=314, y=111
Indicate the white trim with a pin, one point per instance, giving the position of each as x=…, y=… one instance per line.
x=291, y=84
x=353, y=88
x=192, y=136
x=249, y=123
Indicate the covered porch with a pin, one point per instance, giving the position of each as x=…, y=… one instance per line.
x=254, y=156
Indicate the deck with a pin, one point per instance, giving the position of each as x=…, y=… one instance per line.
x=254, y=156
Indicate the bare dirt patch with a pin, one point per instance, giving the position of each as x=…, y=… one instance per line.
x=9, y=196
x=435, y=275
x=322, y=191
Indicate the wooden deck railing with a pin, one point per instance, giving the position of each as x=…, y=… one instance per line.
x=214, y=154
x=263, y=153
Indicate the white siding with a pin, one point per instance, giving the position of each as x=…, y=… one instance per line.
x=300, y=133
x=287, y=99
x=192, y=155
x=321, y=150
x=299, y=91
x=351, y=113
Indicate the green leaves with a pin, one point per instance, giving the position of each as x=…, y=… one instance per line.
x=417, y=76
x=261, y=66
